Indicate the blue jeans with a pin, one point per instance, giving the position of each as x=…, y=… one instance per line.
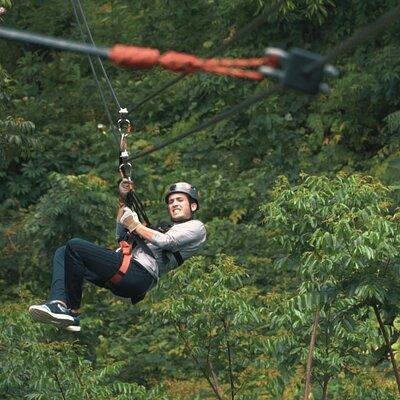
x=81, y=260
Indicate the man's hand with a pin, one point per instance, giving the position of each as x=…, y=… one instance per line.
x=124, y=187
x=129, y=219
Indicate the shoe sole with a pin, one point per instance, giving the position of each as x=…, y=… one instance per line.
x=73, y=328
x=48, y=317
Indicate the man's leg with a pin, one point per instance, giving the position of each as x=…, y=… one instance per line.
x=55, y=311
x=73, y=263
x=86, y=260
x=57, y=291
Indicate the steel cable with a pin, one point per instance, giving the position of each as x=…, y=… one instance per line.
x=107, y=79
x=214, y=120
x=132, y=199
x=250, y=27
x=108, y=113
x=359, y=37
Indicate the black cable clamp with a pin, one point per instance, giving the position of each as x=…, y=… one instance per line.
x=300, y=69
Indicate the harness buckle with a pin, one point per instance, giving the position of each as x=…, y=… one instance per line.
x=126, y=247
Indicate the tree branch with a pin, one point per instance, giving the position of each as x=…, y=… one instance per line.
x=229, y=351
x=81, y=384
x=197, y=362
x=59, y=386
x=388, y=345
x=209, y=363
x=311, y=355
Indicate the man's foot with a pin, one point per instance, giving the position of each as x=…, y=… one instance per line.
x=52, y=313
x=75, y=326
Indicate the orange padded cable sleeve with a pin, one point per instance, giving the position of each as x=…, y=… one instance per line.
x=139, y=57
x=131, y=56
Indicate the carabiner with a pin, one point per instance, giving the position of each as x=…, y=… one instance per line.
x=125, y=170
x=123, y=123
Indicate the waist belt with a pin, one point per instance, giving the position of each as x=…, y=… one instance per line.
x=126, y=249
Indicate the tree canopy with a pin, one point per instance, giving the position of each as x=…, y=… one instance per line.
x=299, y=194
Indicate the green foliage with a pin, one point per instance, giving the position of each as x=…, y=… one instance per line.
x=43, y=363
x=6, y=3
x=213, y=319
x=314, y=10
x=341, y=231
x=73, y=206
x=341, y=235
x=326, y=240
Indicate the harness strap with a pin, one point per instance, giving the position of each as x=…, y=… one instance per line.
x=178, y=257
x=126, y=249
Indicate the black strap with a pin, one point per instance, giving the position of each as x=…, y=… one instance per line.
x=178, y=257
x=144, y=246
x=164, y=227
x=132, y=238
x=146, y=249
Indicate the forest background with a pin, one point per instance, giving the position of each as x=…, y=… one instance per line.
x=299, y=194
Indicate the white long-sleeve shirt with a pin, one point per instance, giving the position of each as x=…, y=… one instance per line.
x=185, y=237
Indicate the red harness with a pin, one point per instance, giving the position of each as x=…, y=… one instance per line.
x=126, y=249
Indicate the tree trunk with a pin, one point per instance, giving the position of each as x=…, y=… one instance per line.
x=325, y=387
x=388, y=345
x=59, y=386
x=307, y=390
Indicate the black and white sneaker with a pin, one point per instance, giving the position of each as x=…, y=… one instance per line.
x=52, y=313
x=75, y=326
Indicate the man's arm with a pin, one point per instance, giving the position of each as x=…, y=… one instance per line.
x=176, y=237
x=130, y=221
x=146, y=233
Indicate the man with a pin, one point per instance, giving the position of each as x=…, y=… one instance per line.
x=129, y=276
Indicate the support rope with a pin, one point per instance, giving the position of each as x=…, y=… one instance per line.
x=107, y=110
x=214, y=120
x=107, y=79
x=144, y=57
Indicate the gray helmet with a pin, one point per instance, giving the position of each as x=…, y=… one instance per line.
x=183, y=187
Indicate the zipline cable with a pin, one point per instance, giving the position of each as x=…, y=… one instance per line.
x=364, y=34
x=214, y=120
x=142, y=57
x=356, y=39
x=55, y=43
x=240, y=34
x=139, y=57
x=108, y=113
x=360, y=36
x=107, y=79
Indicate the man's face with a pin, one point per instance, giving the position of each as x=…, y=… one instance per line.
x=179, y=207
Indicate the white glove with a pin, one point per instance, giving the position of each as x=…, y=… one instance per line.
x=129, y=219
